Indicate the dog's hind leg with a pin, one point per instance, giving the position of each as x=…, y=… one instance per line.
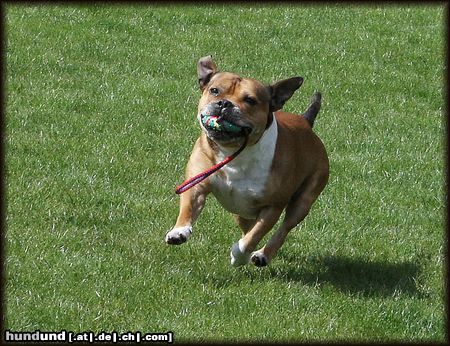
x=296, y=210
x=242, y=250
x=244, y=224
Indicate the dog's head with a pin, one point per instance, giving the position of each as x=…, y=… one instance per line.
x=232, y=107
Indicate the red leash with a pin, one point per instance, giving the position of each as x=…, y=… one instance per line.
x=187, y=184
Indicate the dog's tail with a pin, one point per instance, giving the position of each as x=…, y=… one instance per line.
x=313, y=109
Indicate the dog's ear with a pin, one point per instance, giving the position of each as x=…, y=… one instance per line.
x=206, y=68
x=282, y=91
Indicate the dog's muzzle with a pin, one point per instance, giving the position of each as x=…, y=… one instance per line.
x=222, y=121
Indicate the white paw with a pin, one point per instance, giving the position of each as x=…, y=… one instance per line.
x=178, y=235
x=238, y=254
x=259, y=259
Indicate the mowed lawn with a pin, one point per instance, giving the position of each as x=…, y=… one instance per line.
x=100, y=118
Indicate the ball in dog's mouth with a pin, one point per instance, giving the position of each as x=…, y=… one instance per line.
x=212, y=122
x=221, y=128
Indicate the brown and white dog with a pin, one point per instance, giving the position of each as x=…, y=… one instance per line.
x=284, y=166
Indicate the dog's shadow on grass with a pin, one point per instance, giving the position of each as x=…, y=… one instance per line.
x=350, y=275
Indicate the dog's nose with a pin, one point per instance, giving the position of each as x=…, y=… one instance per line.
x=225, y=104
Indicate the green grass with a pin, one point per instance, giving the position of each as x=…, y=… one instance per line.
x=100, y=120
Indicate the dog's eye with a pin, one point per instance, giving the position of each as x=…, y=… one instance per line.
x=250, y=100
x=214, y=91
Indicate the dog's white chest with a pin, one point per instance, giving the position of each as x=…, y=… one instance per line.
x=244, y=179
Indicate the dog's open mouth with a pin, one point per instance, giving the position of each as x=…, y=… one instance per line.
x=221, y=128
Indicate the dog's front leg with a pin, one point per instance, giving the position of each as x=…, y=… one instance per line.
x=242, y=250
x=191, y=204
